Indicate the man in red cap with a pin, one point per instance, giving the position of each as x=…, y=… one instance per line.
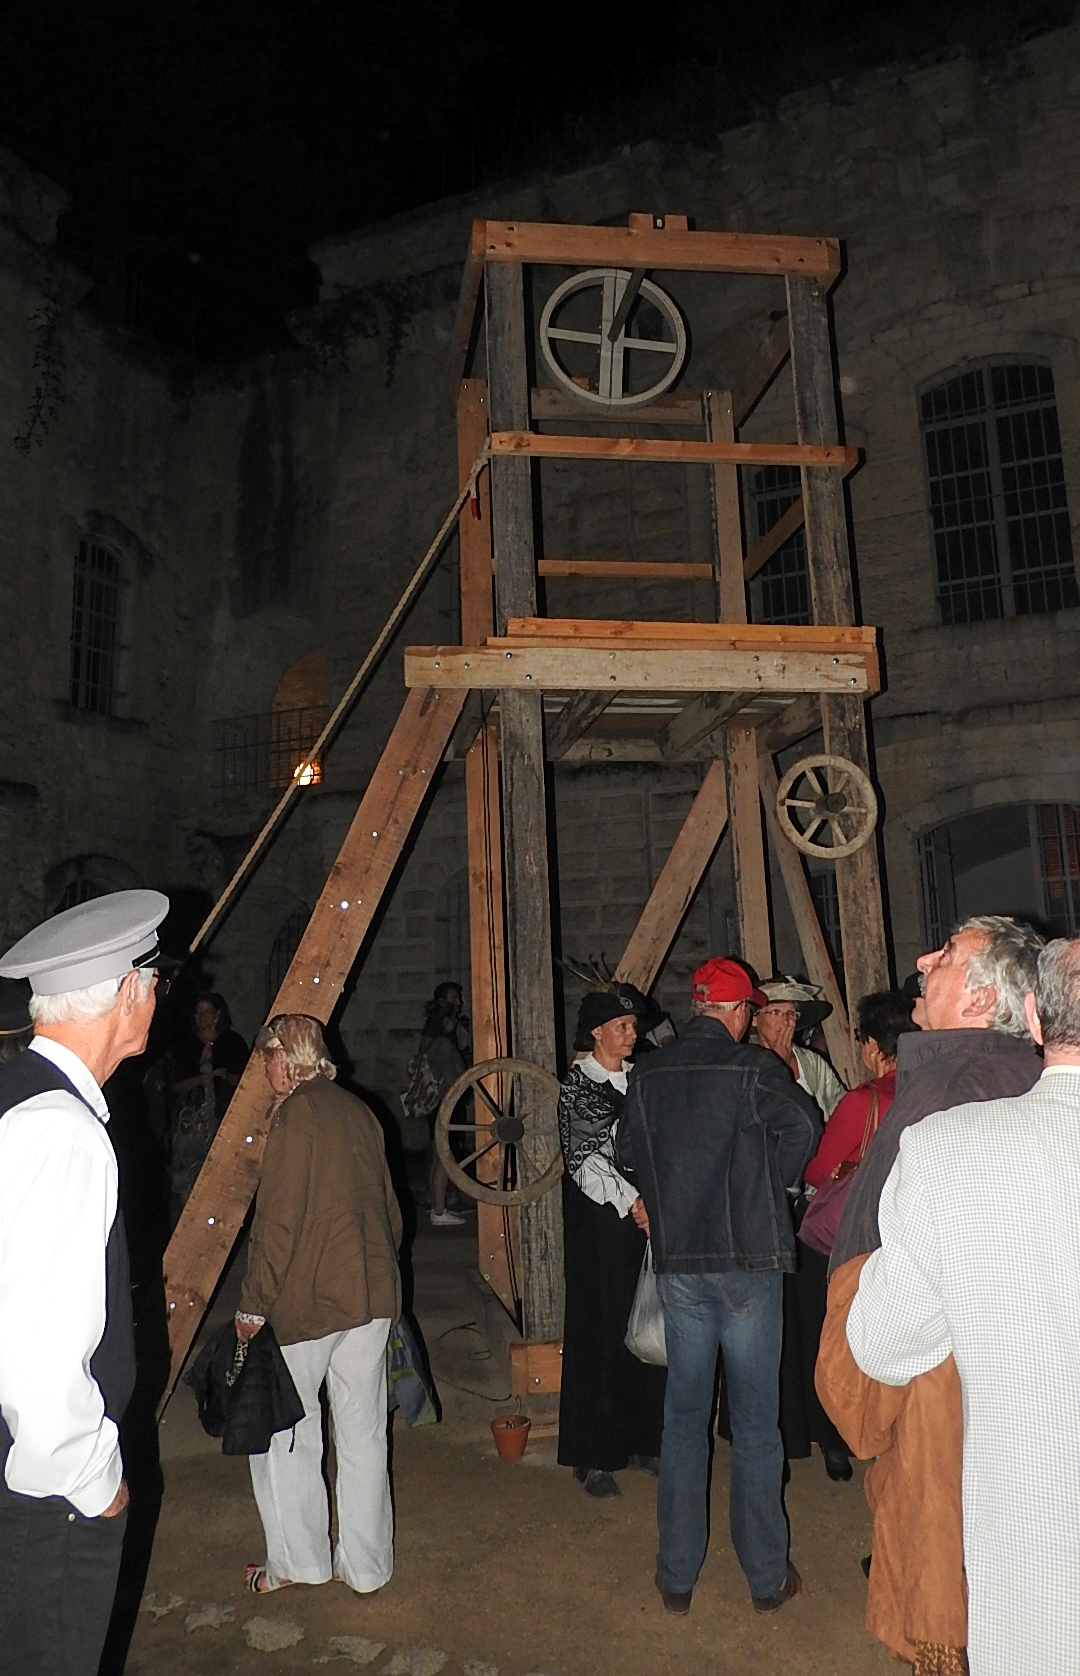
x=716, y=1132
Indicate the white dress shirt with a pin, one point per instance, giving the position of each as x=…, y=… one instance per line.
x=58, y=1188
x=979, y=1256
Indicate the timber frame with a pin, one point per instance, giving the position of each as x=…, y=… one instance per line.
x=522, y=690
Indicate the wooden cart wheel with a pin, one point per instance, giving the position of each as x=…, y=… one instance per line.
x=826, y=806
x=508, y=1132
x=611, y=366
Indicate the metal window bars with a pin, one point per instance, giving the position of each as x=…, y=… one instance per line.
x=95, y=628
x=268, y=751
x=780, y=592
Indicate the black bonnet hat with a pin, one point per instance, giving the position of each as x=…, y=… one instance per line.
x=599, y=1006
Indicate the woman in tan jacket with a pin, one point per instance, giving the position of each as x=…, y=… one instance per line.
x=323, y=1270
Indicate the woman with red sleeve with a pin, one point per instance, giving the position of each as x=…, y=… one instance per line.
x=881, y=1019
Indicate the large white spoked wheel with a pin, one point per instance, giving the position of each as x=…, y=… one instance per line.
x=619, y=371
x=826, y=806
x=515, y=1133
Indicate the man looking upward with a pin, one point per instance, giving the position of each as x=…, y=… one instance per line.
x=67, y=1355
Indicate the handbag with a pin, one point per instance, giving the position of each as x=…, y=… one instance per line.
x=645, y=1328
x=821, y=1218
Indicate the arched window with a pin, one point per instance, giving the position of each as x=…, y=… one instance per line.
x=997, y=493
x=284, y=948
x=95, y=628
x=1017, y=858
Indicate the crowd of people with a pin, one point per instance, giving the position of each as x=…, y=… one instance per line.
x=889, y=1271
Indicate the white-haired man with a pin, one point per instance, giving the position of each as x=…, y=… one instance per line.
x=67, y=1356
x=979, y=1261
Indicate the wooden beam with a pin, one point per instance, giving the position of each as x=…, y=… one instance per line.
x=672, y=251
x=774, y=539
x=764, y=364
x=214, y=1213
x=635, y=631
x=700, y=718
x=726, y=512
x=575, y=718
x=497, y=1228
x=559, y=406
x=793, y=723
x=627, y=570
x=815, y=951
x=669, y=451
x=679, y=878
x=858, y=883
x=641, y=669
x=748, y=850
x=468, y=303
x=626, y=303
x=528, y=896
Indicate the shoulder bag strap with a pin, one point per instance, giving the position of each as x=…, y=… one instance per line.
x=872, y=1120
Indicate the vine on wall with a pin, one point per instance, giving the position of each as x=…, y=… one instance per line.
x=49, y=368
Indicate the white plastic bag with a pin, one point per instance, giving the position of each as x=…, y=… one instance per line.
x=645, y=1329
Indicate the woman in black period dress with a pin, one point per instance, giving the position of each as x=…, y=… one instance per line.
x=611, y=1411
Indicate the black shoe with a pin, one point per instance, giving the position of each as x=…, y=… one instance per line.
x=679, y=1604
x=837, y=1465
x=789, y=1588
x=596, y=1483
x=647, y=1463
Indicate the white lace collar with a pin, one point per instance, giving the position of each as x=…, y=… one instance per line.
x=597, y=1072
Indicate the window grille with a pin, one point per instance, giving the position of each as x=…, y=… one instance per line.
x=827, y=903
x=268, y=751
x=284, y=949
x=95, y=628
x=938, y=885
x=1057, y=835
x=997, y=493
x=780, y=592
x=79, y=890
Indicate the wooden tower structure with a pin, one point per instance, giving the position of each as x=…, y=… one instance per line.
x=522, y=690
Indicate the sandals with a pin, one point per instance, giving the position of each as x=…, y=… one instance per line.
x=257, y=1580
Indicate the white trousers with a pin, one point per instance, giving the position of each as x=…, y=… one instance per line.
x=289, y=1487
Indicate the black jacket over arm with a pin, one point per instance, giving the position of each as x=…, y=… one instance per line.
x=715, y=1133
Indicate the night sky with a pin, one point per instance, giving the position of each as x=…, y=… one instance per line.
x=207, y=143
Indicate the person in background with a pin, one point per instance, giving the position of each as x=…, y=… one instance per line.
x=323, y=1270
x=67, y=1351
x=978, y=1263
x=207, y=1068
x=16, y=1025
x=439, y=1041
x=716, y=1133
x=454, y=996
x=611, y=1406
x=973, y=1043
x=882, y=1019
x=790, y=1006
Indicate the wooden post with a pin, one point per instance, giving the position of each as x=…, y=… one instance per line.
x=740, y=743
x=858, y=882
x=528, y=899
x=215, y=1210
x=496, y=1226
x=680, y=876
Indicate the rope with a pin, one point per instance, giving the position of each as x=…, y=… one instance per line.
x=344, y=703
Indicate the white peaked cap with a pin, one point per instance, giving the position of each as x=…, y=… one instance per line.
x=104, y=938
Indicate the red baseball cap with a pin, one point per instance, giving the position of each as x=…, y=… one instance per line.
x=725, y=980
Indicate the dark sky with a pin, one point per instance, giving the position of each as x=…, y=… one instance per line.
x=207, y=143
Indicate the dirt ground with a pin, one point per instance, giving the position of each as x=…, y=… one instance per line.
x=499, y=1567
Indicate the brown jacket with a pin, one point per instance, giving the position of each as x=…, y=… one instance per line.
x=323, y=1250
x=917, y=1587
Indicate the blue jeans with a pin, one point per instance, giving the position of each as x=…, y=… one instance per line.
x=743, y=1314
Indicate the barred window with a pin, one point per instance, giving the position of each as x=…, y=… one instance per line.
x=283, y=951
x=1057, y=846
x=780, y=592
x=95, y=628
x=266, y=752
x=997, y=493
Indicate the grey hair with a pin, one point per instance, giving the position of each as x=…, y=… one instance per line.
x=82, y=1006
x=701, y=1009
x=1057, y=993
x=1007, y=965
x=301, y=1040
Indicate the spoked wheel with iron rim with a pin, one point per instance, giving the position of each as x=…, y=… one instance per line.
x=512, y=1135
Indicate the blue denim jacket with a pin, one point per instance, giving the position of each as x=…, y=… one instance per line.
x=715, y=1132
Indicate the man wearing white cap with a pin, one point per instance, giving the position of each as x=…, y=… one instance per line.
x=67, y=1356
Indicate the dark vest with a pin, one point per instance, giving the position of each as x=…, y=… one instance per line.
x=113, y=1363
